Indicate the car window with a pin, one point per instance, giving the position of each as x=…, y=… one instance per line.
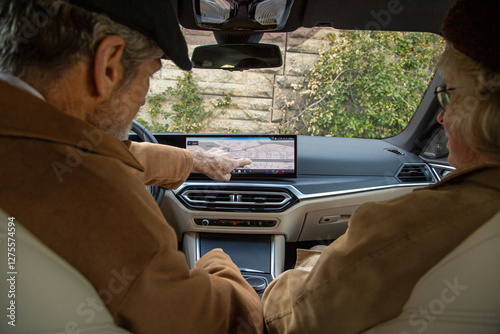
x=333, y=83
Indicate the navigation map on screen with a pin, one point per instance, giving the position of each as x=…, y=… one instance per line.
x=271, y=155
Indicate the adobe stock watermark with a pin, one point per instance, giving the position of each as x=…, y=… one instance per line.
x=116, y=285
x=31, y=27
x=482, y=93
x=11, y=272
x=426, y=315
x=245, y=324
x=114, y=121
x=74, y=156
x=383, y=17
x=87, y=310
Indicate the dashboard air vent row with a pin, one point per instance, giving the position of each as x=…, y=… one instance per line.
x=415, y=173
x=258, y=200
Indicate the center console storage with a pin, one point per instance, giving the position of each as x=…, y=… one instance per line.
x=259, y=257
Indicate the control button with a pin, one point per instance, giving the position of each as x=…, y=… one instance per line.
x=256, y=282
x=234, y=223
x=270, y=223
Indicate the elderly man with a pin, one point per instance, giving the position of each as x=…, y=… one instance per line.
x=74, y=75
x=366, y=276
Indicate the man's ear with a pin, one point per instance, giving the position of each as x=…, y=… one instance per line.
x=108, y=69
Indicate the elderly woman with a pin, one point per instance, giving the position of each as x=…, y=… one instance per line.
x=366, y=276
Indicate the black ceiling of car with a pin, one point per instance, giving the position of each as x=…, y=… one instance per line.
x=397, y=15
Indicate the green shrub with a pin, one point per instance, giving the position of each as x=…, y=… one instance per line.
x=368, y=84
x=189, y=114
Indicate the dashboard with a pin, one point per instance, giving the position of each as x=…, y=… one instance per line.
x=260, y=212
x=333, y=177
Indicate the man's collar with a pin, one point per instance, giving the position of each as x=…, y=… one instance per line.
x=16, y=82
x=24, y=115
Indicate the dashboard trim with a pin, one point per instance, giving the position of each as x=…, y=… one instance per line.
x=296, y=192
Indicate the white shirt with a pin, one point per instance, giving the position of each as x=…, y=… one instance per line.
x=15, y=81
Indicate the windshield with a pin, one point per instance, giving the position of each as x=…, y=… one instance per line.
x=333, y=83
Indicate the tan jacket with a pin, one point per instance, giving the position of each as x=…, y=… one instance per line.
x=167, y=166
x=73, y=186
x=366, y=276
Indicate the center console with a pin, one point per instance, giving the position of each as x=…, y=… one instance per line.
x=258, y=254
x=260, y=258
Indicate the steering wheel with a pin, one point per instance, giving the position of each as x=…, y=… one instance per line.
x=156, y=191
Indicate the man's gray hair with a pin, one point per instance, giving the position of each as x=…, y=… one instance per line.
x=42, y=38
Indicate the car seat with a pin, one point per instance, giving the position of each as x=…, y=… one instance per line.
x=48, y=295
x=460, y=295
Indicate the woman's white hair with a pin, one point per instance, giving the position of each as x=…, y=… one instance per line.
x=477, y=114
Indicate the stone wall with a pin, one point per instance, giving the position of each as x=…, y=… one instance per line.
x=257, y=95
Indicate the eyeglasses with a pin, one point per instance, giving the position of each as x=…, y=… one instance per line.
x=443, y=95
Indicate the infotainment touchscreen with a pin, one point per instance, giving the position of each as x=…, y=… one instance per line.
x=272, y=155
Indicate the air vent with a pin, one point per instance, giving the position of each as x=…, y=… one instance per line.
x=236, y=199
x=415, y=173
x=393, y=150
x=441, y=171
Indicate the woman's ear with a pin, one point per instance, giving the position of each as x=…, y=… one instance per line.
x=108, y=69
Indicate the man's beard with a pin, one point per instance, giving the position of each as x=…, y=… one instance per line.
x=112, y=116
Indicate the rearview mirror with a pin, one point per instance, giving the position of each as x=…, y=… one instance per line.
x=237, y=57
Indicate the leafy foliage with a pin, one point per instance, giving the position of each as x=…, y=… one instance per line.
x=368, y=84
x=188, y=111
x=155, y=103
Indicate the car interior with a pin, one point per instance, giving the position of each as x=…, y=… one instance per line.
x=300, y=190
